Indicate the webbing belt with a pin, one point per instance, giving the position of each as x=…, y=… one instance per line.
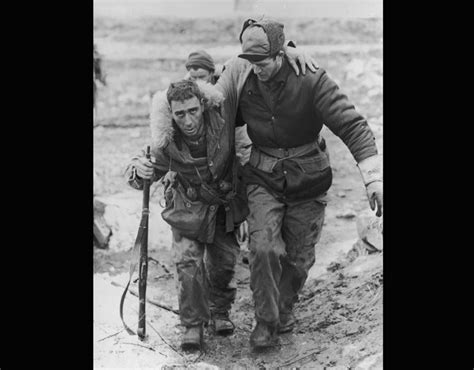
x=286, y=153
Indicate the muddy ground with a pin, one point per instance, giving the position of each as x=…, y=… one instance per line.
x=339, y=313
x=339, y=324
x=340, y=309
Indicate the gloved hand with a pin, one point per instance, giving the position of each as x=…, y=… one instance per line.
x=242, y=233
x=375, y=195
x=371, y=172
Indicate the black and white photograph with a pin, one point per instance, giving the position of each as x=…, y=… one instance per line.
x=238, y=184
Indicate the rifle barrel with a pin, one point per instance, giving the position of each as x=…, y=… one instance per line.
x=143, y=265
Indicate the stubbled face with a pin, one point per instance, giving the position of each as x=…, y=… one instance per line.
x=200, y=74
x=188, y=116
x=267, y=68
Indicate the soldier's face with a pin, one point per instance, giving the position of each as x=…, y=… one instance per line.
x=267, y=68
x=188, y=116
x=200, y=74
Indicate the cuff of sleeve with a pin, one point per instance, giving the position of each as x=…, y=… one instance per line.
x=371, y=169
x=134, y=180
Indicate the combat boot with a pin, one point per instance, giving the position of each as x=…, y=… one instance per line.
x=263, y=335
x=287, y=322
x=192, y=338
x=221, y=324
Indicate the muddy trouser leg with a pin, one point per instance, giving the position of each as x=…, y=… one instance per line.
x=221, y=257
x=266, y=246
x=301, y=230
x=192, y=281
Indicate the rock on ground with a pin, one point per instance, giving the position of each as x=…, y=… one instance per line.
x=122, y=214
x=370, y=230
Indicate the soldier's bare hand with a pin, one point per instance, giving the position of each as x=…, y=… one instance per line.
x=144, y=168
x=294, y=55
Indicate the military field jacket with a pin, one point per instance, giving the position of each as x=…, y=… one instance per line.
x=172, y=154
x=306, y=104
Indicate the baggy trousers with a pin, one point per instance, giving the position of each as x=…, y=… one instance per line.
x=205, y=272
x=282, y=249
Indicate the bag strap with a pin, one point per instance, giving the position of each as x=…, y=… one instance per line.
x=180, y=177
x=215, y=196
x=229, y=219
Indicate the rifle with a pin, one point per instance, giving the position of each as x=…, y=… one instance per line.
x=141, y=246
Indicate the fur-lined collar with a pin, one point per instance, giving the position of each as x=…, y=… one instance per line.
x=161, y=126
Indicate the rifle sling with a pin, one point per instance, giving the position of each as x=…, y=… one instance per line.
x=133, y=264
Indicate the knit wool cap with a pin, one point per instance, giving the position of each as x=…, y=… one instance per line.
x=261, y=39
x=200, y=59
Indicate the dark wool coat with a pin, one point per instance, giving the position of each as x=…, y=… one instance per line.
x=301, y=106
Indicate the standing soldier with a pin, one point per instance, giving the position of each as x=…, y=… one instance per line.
x=288, y=173
x=194, y=152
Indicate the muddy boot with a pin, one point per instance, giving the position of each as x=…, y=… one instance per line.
x=263, y=336
x=192, y=338
x=287, y=322
x=221, y=324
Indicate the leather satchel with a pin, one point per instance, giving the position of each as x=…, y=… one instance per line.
x=193, y=218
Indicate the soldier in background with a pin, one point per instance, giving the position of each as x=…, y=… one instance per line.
x=193, y=151
x=201, y=66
